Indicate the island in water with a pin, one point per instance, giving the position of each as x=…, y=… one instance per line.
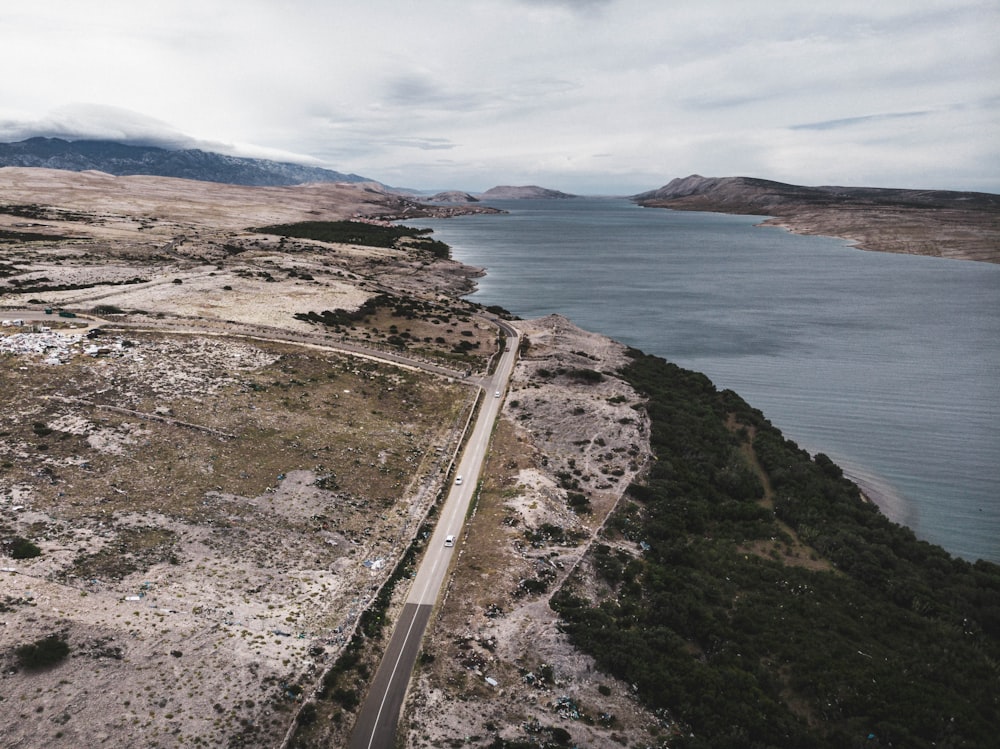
x=522, y=192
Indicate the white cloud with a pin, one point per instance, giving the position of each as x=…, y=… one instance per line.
x=96, y=122
x=442, y=94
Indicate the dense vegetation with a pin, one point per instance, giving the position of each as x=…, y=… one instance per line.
x=756, y=600
x=12, y=237
x=339, y=317
x=361, y=233
x=43, y=213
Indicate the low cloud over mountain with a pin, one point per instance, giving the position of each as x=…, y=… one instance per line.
x=190, y=163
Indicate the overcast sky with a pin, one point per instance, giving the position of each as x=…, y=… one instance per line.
x=586, y=96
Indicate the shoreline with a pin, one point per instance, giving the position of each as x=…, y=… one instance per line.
x=875, y=489
x=953, y=231
x=897, y=507
x=883, y=495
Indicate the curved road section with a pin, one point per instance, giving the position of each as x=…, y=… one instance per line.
x=376, y=724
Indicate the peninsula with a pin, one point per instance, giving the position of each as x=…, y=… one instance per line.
x=942, y=223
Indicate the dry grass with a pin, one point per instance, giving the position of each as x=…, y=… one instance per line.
x=213, y=512
x=222, y=542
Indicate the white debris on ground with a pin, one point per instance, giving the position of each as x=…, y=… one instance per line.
x=55, y=348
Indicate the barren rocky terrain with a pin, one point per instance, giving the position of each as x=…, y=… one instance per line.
x=495, y=661
x=223, y=446
x=215, y=489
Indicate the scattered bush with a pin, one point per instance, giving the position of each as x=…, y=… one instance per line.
x=42, y=653
x=22, y=548
x=41, y=429
x=308, y=714
x=586, y=376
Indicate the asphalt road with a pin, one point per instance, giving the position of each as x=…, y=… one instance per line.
x=74, y=325
x=376, y=724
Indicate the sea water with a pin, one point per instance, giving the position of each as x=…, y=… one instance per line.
x=890, y=364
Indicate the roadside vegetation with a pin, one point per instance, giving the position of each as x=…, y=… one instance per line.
x=327, y=719
x=445, y=333
x=755, y=599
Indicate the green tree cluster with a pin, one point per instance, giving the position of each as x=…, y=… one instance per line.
x=881, y=640
x=361, y=233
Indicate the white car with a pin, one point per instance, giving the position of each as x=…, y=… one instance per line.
x=458, y=479
x=496, y=394
x=449, y=540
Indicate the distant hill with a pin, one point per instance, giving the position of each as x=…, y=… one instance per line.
x=942, y=223
x=452, y=196
x=762, y=197
x=509, y=192
x=121, y=160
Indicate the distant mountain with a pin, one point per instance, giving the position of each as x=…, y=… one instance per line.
x=508, y=192
x=764, y=197
x=452, y=196
x=941, y=223
x=120, y=159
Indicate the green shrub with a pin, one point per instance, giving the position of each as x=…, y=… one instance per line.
x=41, y=429
x=22, y=548
x=587, y=376
x=307, y=715
x=347, y=697
x=41, y=653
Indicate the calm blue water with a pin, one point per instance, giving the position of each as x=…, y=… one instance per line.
x=890, y=364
